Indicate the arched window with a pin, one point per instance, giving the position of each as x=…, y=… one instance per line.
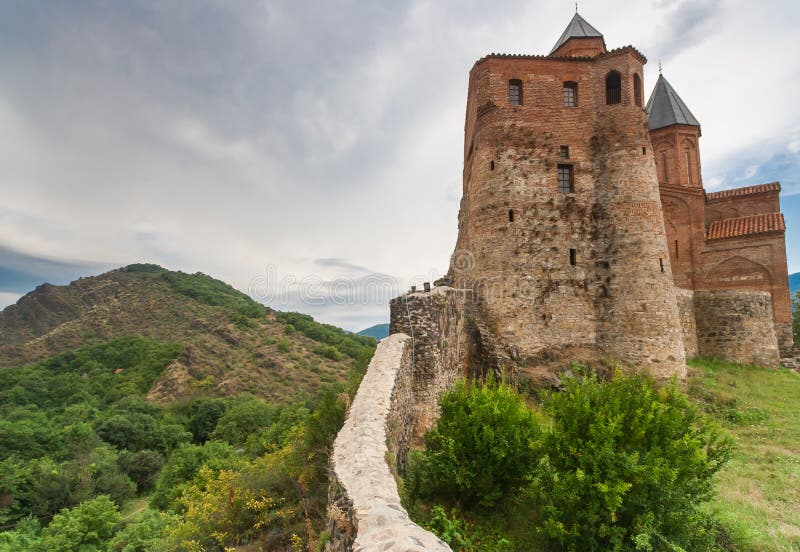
x=688, y=154
x=664, y=167
x=515, y=92
x=570, y=94
x=637, y=90
x=613, y=87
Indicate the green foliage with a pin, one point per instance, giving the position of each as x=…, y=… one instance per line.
x=144, y=535
x=211, y=291
x=98, y=375
x=204, y=414
x=352, y=345
x=462, y=536
x=328, y=351
x=245, y=416
x=184, y=464
x=85, y=527
x=25, y=536
x=144, y=268
x=142, y=467
x=626, y=462
x=284, y=345
x=482, y=447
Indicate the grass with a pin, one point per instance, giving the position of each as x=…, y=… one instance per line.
x=758, y=492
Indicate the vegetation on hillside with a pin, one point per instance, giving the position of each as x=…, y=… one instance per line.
x=231, y=344
x=88, y=463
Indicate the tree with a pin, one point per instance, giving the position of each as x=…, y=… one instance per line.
x=625, y=463
x=85, y=527
x=142, y=467
x=483, y=446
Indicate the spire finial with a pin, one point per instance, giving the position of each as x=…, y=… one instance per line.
x=576, y=7
x=659, y=66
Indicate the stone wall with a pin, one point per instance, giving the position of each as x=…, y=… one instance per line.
x=364, y=505
x=554, y=268
x=685, y=298
x=446, y=346
x=737, y=326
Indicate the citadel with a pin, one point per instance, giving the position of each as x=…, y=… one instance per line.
x=584, y=235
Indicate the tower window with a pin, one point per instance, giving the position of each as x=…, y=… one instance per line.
x=515, y=92
x=688, y=155
x=563, y=152
x=664, y=167
x=637, y=90
x=661, y=262
x=613, y=88
x=573, y=257
x=570, y=94
x=676, y=249
x=491, y=165
x=644, y=151
x=566, y=183
x=511, y=215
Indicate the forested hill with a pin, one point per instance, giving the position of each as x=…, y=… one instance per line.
x=231, y=447
x=226, y=343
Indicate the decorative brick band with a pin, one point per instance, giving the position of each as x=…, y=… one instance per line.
x=365, y=510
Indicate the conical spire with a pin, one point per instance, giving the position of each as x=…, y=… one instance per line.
x=578, y=28
x=665, y=107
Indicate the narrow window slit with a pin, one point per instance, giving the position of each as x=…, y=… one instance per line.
x=511, y=215
x=573, y=257
x=491, y=165
x=661, y=262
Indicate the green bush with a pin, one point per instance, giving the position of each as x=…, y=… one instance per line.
x=328, y=351
x=483, y=446
x=625, y=465
x=85, y=527
x=284, y=345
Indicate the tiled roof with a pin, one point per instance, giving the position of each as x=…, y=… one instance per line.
x=578, y=27
x=746, y=226
x=609, y=53
x=747, y=190
x=666, y=108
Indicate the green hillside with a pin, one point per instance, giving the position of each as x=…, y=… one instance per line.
x=230, y=343
x=378, y=331
x=146, y=409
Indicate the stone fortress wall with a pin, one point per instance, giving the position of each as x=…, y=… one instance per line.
x=396, y=403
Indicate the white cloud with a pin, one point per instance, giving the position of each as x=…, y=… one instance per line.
x=229, y=137
x=7, y=299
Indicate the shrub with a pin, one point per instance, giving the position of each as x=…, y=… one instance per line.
x=284, y=345
x=483, y=446
x=625, y=464
x=85, y=527
x=328, y=351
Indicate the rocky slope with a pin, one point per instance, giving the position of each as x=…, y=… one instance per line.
x=231, y=343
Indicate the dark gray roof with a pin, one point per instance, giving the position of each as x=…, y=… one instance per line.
x=577, y=28
x=665, y=107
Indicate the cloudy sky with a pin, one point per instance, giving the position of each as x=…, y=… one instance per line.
x=306, y=151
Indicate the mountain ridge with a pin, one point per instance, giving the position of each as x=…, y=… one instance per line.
x=232, y=344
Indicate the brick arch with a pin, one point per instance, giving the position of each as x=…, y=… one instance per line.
x=737, y=272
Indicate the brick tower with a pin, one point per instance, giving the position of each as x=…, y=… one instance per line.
x=561, y=230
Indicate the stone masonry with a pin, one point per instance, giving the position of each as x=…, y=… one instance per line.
x=364, y=506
